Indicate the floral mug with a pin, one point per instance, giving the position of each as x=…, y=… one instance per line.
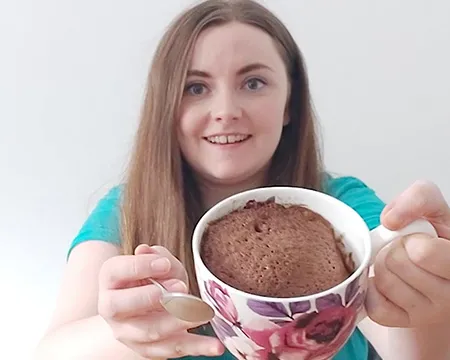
x=312, y=327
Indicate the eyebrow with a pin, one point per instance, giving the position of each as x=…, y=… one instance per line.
x=242, y=71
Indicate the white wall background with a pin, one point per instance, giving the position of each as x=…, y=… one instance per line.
x=71, y=83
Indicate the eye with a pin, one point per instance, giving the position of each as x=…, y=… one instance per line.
x=195, y=89
x=254, y=84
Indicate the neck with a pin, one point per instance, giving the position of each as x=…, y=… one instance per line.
x=212, y=193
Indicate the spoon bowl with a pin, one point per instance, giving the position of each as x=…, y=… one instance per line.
x=185, y=307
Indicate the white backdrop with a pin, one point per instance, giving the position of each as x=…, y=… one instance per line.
x=72, y=74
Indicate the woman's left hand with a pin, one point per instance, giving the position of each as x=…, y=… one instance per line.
x=411, y=286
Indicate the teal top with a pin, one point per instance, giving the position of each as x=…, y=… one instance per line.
x=103, y=224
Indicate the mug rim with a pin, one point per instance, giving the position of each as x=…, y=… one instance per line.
x=207, y=217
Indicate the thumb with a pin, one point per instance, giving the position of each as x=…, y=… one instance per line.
x=143, y=249
x=423, y=199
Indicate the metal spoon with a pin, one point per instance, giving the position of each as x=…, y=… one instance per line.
x=184, y=306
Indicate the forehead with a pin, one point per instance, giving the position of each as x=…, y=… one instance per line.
x=233, y=45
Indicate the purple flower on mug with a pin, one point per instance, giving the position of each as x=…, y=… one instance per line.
x=222, y=301
x=222, y=328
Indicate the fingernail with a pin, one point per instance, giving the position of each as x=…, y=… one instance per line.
x=213, y=351
x=161, y=265
x=389, y=207
x=393, y=220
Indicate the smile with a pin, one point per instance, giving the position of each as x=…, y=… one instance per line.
x=227, y=139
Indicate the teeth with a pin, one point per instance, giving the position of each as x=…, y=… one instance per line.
x=223, y=139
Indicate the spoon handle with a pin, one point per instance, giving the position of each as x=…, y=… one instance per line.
x=154, y=282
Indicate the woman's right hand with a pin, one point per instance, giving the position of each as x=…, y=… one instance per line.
x=129, y=303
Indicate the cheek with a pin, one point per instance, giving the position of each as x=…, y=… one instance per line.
x=185, y=128
x=189, y=124
x=268, y=116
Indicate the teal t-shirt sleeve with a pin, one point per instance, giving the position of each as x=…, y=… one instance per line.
x=356, y=194
x=103, y=223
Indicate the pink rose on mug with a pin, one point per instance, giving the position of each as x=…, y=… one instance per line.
x=310, y=332
x=314, y=335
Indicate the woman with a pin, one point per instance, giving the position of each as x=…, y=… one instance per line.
x=228, y=109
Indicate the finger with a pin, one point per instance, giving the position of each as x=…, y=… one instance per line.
x=423, y=199
x=129, y=302
x=397, y=291
x=177, y=269
x=154, y=327
x=429, y=254
x=389, y=206
x=398, y=262
x=182, y=344
x=382, y=310
x=143, y=249
x=119, y=271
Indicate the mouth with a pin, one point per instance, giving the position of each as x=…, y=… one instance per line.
x=227, y=139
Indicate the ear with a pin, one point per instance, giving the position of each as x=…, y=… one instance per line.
x=286, y=119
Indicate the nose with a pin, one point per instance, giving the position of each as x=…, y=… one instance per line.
x=226, y=107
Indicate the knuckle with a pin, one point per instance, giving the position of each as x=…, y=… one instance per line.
x=383, y=313
x=420, y=183
x=421, y=199
x=154, y=334
x=179, y=349
x=421, y=253
x=107, y=307
x=135, y=266
x=141, y=266
x=149, y=352
x=424, y=191
x=159, y=248
x=396, y=259
x=119, y=335
x=149, y=297
x=105, y=276
x=424, y=184
x=385, y=283
x=378, y=314
x=163, y=251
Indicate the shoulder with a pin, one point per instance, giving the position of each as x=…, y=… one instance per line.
x=113, y=195
x=338, y=186
x=348, y=188
x=107, y=209
x=103, y=222
x=358, y=195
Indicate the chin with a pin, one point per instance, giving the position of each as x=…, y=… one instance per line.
x=231, y=178
x=228, y=180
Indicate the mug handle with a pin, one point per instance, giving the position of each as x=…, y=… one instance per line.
x=381, y=236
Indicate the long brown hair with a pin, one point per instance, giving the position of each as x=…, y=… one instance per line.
x=162, y=202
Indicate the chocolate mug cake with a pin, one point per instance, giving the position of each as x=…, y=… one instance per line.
x=275, y=250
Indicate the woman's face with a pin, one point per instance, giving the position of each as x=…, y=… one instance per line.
x=234, y=104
